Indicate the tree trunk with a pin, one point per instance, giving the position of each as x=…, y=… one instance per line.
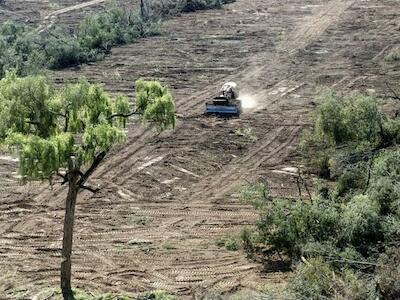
x=144, y=13
x=70, y=202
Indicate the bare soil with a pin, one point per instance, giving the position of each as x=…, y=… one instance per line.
x=166, y=199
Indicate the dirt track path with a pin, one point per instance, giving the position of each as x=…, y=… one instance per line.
x=165, y=200
x=51, y=18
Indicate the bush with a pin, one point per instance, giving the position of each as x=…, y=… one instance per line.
x=256, y=195
x=26, y=51
x=391, y=229
x=385, y=181
x=248, y=239
x=173, y=7
x=20, y=49
x=361, y=222
x=355, y=218
x=356, y=125
x=388, y=274
x=63, y=51
x=352, y=178
x=193, y=5
x=288, y=226
x=394, y=55
x=157, y=295
x=353, y=118
x=316, y=279
x=228, y=242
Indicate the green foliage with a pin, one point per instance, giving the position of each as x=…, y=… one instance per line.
x=20, y=49
x=27, y=51
x=47, y=127
x=388, y=274
x=255, y=194
x=116, y=26
x=316, y=279
x=157, y=295
x=193, y=5
x=249, y=239
x=24, y=49
x=155, y=104
x=391, y=229
x=174, y=7
x=340, y=234
x=361, y=221
x=351, y=179
x=289, y=225
x=63, y=50
x=353, y=118
x=25, y=106
x=385, y=181
x=393, y=56
x=229, y=242
x=352, y=122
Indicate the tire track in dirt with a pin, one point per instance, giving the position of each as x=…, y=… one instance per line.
x=50, y=19
x=298, y=39
x=223, y=181
x=227, y=177
x=188, y=221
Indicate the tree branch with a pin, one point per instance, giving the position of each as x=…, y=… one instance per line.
x=33, y=122
x=96, y=162
x=90, y=189
x=64, y=177
x=123, y=115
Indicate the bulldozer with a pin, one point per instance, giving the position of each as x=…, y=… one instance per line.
x=227, y=103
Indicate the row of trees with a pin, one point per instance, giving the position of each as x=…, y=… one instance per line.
x=29, y=51
x=344, y=242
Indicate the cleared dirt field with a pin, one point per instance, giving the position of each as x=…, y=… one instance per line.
x=166, y=199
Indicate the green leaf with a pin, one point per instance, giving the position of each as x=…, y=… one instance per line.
x=155, y=104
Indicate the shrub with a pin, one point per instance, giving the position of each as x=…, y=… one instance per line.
x=255, y=194
x=157, y=295
x=193, y=5
x=388, y=274
x=391, y=229
x=229, y=242
x=353, y=178
x=316, y=279
x=63, y=51
x=173, y=7
x=349, y=119
x=288, y=226
x=361, y=221
x=20, y=49
x=248, y=239
x=393, y=55
x=116, y=26
x=317, y=155
x=385, y=181
x=25, y=50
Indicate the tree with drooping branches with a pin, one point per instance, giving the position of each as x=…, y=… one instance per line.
x=67, y=133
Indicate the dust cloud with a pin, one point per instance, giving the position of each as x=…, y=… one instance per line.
x=249, y=102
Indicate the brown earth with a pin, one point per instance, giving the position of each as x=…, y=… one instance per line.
x=166, y=199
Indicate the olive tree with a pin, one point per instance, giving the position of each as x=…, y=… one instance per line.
x=67, y=133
